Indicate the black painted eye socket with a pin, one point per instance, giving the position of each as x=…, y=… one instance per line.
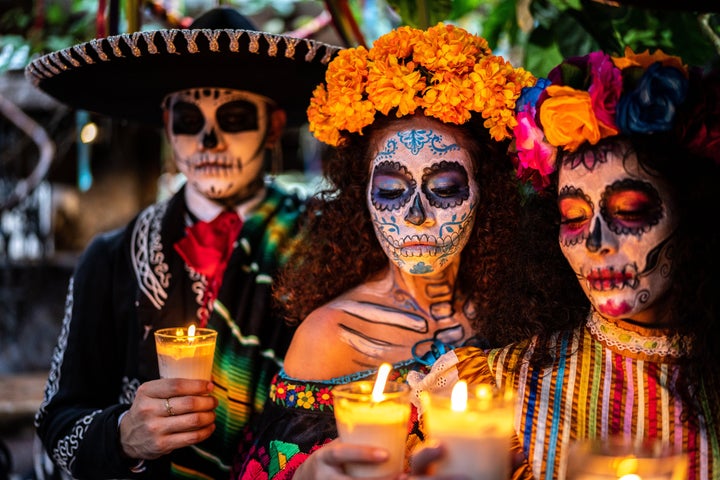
x=392, y=186
x=187, y=119
x=631, y=207
x=446, y=184
x=237, y=116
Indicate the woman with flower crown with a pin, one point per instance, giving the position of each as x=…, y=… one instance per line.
x=417, y=246
x=630, y=148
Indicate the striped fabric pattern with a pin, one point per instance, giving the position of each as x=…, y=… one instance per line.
x=249, y=336
x=593, y=391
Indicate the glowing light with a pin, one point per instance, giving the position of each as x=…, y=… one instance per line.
x=89, y=132
x=379, y=387
x=459, y=396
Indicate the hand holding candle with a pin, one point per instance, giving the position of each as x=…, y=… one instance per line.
x=475, y=429
x=185, y=353
x=374, y=414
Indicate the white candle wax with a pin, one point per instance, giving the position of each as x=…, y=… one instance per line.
x=477, y=440
x=185, y=356
x=381, y=424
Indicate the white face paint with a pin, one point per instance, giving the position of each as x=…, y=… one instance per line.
x=422, y=197
x=218, y=136
x=616, y=230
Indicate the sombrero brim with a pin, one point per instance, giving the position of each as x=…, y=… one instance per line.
x=127, y=76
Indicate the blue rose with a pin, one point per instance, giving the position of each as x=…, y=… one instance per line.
x=652, y=105
x=529, y=95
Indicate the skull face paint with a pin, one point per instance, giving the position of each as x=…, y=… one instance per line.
x=218, y=136
x=617, y=222
x=422, y=197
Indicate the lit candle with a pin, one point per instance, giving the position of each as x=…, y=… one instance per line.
x=476, y=431
x=619, y=458
x=376, y=414
x=185, y=353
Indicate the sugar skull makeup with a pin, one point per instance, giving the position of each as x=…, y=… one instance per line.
x=422, y=198
x=218, y=136
x=617, y=222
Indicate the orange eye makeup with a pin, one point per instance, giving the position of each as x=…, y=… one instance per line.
x=576, y=211
x=631, y=207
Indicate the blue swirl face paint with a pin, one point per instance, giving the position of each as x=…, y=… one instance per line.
x=422, y=197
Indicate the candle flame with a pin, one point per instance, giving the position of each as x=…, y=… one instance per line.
x=379, y=388
x=627, y=467
x=458, y=398
x=179, y=332
x=191, y=330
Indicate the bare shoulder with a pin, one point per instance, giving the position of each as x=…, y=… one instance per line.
x=315, y=352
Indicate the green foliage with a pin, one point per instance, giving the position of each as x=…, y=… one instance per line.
x=422, y=13
x=576, y=27
x=500, y=22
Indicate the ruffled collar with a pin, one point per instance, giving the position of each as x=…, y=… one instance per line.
x=638, y=342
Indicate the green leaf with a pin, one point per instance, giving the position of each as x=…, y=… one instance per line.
x=422, y=13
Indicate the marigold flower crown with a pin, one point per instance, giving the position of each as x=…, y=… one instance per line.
x=444, y=71
x=586, y=99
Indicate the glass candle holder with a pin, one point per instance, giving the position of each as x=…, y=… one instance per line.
x=616, y=458
x=382, y=422
x=475, y=427
x=185, y=354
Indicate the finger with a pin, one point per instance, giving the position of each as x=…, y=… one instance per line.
x=188, y=422
x=185, y=438
x=175, y=387
x=423, y=458
x=188, y=404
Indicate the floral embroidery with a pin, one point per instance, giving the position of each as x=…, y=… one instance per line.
x=317, y=396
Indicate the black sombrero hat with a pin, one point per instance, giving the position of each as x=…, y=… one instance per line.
x=126, y=76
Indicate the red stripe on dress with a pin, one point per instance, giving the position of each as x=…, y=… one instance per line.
x=652, y=429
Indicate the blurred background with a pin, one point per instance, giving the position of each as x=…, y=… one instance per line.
x=66, y=175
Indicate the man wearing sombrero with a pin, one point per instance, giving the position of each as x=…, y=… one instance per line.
x=205, y=257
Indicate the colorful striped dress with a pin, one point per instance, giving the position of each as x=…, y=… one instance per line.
x=604, y=380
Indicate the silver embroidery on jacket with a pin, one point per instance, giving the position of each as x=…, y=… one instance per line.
x=53, y=383
x=151, y=270
x=64, y=452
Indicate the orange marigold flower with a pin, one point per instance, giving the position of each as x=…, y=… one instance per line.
x=399, y=44
x=445, y=71
x=394, y=85
x=645, y=59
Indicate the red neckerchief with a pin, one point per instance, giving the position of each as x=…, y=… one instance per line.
x=206, y=249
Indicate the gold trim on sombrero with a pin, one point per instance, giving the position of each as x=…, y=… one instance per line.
x=56, y=62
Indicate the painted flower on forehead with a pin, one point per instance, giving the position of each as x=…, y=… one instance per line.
x=444, y=72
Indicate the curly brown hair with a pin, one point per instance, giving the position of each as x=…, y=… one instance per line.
x=517, y=286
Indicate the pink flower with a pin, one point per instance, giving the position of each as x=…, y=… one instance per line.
x=534, y=153
x=605, y=89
